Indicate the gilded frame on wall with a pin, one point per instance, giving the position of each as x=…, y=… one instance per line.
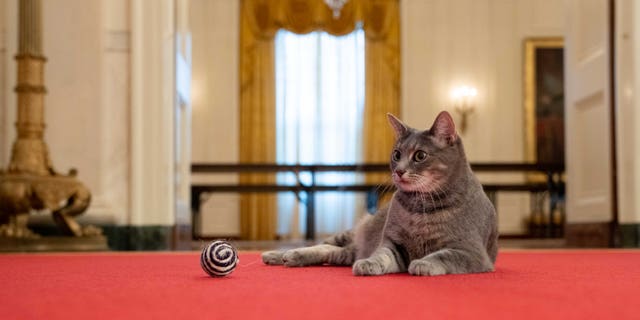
x=544, y=100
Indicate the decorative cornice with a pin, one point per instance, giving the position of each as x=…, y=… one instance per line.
x=21, y=56
x=30, y=88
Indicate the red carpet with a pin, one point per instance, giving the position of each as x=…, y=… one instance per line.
x=527, y=285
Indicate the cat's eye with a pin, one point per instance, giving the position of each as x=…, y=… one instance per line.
x=396, y=155
x=420, y=156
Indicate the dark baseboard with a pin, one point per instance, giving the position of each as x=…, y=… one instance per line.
x=153, y=238
x=588, y=235
x=630, y=235
x=134, y=238
x=139, y=238
x=54, y=244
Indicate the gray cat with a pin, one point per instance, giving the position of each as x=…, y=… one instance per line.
x=439, y=220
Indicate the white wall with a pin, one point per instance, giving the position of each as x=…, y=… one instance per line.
x=153, y=107
x=109, y=103
x=215, y=90
x=3, y=128
x=215, y=34
x=478, y=43
x=89, y=80
x=76, y=131
x=627, y=71
x=633, y=215
x=115, y=110
x=486, y=53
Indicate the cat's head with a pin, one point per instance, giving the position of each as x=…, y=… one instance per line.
x=423, y=160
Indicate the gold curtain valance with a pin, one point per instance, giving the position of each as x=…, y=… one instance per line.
x=266, y=17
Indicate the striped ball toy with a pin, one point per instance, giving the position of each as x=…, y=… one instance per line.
x=219, y=258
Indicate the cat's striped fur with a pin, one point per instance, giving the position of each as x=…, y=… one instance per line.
x=439, y=221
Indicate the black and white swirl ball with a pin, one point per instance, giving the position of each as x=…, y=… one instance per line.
x=219, y=258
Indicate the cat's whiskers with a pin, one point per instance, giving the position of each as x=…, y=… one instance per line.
x=422, y=190
x=419, y=180
x=385, y=186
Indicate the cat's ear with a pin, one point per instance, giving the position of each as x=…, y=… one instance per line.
x=444, y=128
x=398, y=127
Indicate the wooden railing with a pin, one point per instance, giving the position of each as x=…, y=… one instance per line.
x=545, y=227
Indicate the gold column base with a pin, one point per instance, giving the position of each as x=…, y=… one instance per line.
x=64, y=196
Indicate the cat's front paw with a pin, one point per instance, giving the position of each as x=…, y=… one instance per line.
x=426, y=268
x=273, y=257
x=367, y=267
x=294, y=258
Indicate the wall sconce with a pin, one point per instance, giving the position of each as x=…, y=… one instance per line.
x=463, y=99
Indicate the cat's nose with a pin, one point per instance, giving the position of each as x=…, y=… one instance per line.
x=400, y=172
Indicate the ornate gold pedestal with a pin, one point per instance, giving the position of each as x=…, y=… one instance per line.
x=30, y=182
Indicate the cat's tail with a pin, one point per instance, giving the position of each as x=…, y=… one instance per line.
x=341, y=239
